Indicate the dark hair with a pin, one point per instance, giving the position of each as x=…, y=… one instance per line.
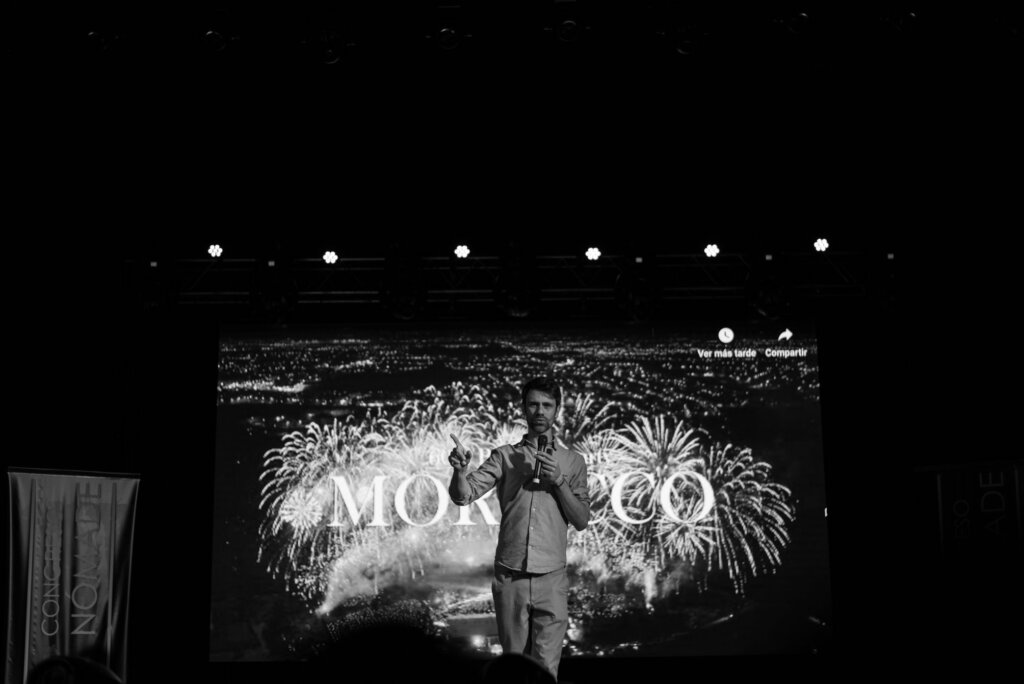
x=545, y=384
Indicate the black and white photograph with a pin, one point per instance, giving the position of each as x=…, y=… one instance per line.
x=511, y=341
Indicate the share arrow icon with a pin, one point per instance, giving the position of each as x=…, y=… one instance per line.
x=787, y=335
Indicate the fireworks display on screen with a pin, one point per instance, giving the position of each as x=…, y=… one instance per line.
x=333, y=461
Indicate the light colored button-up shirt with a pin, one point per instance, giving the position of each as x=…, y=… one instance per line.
x=534, y=528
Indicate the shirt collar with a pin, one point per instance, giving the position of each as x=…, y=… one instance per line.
x=532, y=443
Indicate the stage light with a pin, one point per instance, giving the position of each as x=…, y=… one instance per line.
x=593, y=253
x=152, y=264
x=797, y=23
x=101, y=42
x=215, y=251
x=568, y=31
x=214, y=41
x=448, y=38
x=711, y=251
x=821, y=244
x=768, y=257
x=330, y=257
x=462, y=251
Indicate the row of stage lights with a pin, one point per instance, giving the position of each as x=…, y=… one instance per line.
x=667, y=25
x=592, y=253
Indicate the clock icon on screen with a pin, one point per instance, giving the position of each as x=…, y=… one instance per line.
x=726, y=335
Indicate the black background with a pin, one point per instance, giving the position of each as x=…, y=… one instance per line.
x=917, y=157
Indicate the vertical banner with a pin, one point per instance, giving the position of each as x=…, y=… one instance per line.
x=971, y=508
x=70, y=568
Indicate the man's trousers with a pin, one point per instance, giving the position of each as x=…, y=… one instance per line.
x=532, y=613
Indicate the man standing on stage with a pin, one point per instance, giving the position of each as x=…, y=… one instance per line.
x=530, y=585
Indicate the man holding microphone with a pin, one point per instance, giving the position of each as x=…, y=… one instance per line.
x=541, y=489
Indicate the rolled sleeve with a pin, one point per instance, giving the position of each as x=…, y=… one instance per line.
x=578, y=482
x=483, y=478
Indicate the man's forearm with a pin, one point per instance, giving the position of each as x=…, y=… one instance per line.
x=459, y=488
x=577, y=511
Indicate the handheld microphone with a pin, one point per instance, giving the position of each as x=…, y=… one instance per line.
x=542, y=443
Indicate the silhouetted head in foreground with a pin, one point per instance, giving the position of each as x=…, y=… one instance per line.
x=392, y=653
x=71, y=670
x=516, y=668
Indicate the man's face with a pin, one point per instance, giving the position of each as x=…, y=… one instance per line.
x=540, y=411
